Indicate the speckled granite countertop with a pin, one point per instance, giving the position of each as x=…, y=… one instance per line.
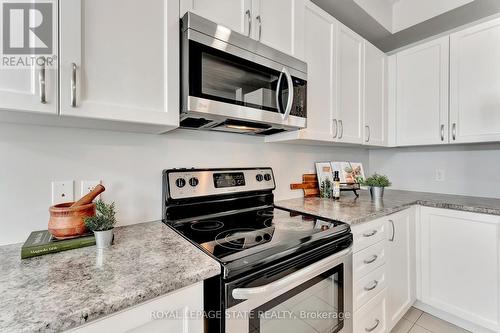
x=353, y=211
x=56, y=292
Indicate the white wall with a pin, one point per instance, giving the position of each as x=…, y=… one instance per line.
x=469, y=169
x=130, y=166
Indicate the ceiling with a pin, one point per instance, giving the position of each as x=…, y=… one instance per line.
x=392, y=24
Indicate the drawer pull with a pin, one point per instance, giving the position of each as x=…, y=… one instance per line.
x=373, y=286
x=370, y=234
x=371, y=260
x=371, y=329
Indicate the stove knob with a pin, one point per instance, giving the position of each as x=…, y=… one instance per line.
x=267, y=177
x=259, y=177
x=258, y=239
x=194, y=181
x=180, y=182
x=267, y=237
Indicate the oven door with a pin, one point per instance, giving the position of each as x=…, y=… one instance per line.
x=221, y=81
x=316, y=298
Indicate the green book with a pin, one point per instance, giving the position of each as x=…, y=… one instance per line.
x=42, y=242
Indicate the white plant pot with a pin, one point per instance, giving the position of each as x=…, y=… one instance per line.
x=103, y=239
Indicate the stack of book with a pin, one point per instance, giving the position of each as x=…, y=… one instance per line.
x=42, y=242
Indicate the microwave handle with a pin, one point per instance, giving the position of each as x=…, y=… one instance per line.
x=289, y=103
x=300, y=276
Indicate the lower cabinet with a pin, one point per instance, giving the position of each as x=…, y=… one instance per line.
x=459, y=266
x=177, y=312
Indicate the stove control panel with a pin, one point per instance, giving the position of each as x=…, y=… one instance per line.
x=192, y=183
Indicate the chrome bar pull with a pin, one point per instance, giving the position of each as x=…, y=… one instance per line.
x=454, y=131
x=42, y=84
x=442, y=132
x=393, y=231
x=341, y=124
x=73, y=84
x=291, y=92
x=371, y=260
x=371, y=329
x=248, y=14
x=336, y=128
x=259, y=20
x=370, y=234
x=373, y=286
x=369, y=133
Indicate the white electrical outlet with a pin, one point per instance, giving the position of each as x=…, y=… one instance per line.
x=62, y=191
x=88, y=186
x=440, y=175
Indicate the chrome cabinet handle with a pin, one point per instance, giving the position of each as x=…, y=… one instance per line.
x=73, y=85
x=442, y=132
x=341, y=124
x=454, y=131
x=248, y=13
x=370, y=234
x=371, y=329
x=373, y=286
x=259, y=19
x=41, y=85
x=371, y=260
x=393, y=231
x=369, y=133
x=336, y=128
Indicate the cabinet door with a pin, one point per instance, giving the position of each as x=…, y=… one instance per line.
x=274, y=23
x=401, y=265
x=30, y=88
x=375, y=109
x=237, y=15
x=117, y=61
x=422, y=94
x=319, y=47
x=459, y=268
x=475, y=83
x=350, y=85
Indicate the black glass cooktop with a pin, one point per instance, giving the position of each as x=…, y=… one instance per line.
x=254, y=234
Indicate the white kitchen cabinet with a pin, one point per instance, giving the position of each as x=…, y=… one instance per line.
x=237, y=15
x=475, y=83
x=271, y=22
x=401, y=265
x=117, y=61
x=422, y=94
x=179, y=312
x=458, y=270
x=32, y=89
x=350, y=86
x=375, y=97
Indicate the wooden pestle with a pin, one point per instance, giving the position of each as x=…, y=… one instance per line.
x=89, y=197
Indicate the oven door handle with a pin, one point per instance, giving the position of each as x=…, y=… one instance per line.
x=300, y=276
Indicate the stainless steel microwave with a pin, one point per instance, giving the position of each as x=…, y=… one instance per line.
x=233, y=83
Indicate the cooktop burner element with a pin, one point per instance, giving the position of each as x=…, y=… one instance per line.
x=208, y=225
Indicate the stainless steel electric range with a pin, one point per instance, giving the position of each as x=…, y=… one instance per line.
x=279, y=268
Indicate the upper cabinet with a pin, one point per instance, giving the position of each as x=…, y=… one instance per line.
x=475, y=84
x=350, y=86
x=375, y=97
x=271, y=22
x=111, y=71
x=35, y=88
x=422, y=94
x=235, y=14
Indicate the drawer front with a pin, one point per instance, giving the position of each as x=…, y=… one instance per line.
x=369, y=259
x=369, y=233
x=369, y=286
x=371, y=318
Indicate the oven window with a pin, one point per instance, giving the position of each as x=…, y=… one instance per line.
x=315, y=306
x=220, y=76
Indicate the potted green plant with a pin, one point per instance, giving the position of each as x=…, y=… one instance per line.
x=377, y=183
x=102, y=224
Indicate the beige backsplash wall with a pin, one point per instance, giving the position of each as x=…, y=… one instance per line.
x=468, y=169
x=130, y=165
